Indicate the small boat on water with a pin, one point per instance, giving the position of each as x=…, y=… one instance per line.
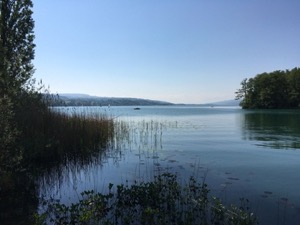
x=137, y=108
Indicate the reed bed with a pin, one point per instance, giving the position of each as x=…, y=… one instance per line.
x=54, y=136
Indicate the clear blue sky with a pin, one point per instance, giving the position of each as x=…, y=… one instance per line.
x=182, y=51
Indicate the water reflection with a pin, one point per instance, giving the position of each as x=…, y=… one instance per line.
x=275, y=129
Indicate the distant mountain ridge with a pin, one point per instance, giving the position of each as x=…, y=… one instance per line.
x=232, y=102
x=229, y=103
x=70, y=95
x=88, y=100
x=77, y=99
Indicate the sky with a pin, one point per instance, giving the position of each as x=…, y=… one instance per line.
x=181, y=51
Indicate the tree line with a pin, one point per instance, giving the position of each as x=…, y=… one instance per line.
x=274, y=90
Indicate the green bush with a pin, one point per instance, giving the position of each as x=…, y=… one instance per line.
x=161, y=201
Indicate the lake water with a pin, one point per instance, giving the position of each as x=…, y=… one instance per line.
x=254, y=154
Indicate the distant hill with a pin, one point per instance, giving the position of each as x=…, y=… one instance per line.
x=221, y=103
x=66, y=95
x=225, y=103
x=87, y=100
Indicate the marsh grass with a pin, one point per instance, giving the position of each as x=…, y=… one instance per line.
x=160, y=201
x=55, y=137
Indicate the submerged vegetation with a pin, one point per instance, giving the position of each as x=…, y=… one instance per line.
x=275, y=90
x=161, y=201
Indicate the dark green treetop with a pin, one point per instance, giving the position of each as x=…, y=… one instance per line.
x=16, y=44
x=274, y=90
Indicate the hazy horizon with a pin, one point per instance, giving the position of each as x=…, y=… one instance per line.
x=83, y=95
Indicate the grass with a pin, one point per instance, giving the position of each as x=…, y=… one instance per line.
x=54, y=136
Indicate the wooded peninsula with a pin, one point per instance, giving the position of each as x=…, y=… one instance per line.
x=274, y=90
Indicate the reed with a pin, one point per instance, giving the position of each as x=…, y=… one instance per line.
x=54, y=136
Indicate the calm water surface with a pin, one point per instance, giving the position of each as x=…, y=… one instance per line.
x=239, y=153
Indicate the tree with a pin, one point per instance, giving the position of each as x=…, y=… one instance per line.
x=241, y=93
x=16, y=69
x=16, y=44
x=278, y=89
x=247, y=93
x=294, y=87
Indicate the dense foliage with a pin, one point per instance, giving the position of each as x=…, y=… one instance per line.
x=16, y=69
x=275, y=90
x=16, y=91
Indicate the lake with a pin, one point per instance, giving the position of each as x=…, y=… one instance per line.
x=253, y=154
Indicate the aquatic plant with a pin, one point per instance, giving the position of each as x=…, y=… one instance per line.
x=56, y=137
x=160, y=201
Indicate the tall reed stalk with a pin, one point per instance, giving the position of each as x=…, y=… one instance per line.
x=54, y=136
